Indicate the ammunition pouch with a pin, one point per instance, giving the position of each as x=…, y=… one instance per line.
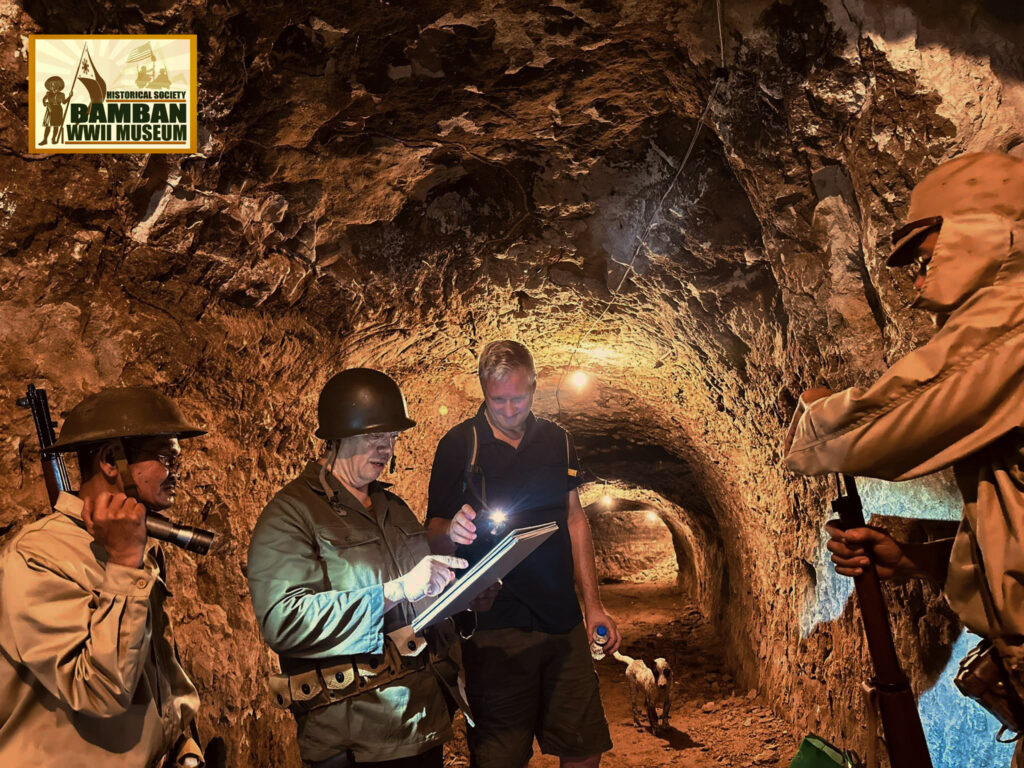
x=342, y=678
x=991, y=673
x=984, y=678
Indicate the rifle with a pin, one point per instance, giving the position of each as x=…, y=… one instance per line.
x=901, y=723
x=55, y=475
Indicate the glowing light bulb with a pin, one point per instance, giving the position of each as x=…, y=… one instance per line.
x=652, y=517
x=443, y=410
x=578, y=380
x=606, y=500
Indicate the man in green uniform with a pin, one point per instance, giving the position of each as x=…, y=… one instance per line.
x=88, y=672
x=338, y=567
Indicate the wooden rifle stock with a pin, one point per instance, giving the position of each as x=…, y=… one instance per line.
x=897, y=707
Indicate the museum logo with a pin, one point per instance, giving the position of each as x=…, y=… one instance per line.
x=112, y=93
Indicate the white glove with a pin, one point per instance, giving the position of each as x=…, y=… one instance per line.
x=428, y=577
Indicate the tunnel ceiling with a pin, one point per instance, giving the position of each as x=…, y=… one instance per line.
x=395, y=184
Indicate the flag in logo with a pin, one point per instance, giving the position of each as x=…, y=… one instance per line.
x=142, y=53
x=95, y=85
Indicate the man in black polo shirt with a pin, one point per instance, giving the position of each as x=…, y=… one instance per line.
x=528, y=666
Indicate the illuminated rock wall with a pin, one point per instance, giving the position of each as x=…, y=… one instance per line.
x=396, y=184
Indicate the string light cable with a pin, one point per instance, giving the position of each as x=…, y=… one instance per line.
x=721, y=75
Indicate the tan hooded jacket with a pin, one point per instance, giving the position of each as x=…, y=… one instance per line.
x=957, y=401
x=88, y=673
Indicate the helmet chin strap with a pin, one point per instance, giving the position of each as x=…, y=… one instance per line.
x=332, y=455
x=121, y=460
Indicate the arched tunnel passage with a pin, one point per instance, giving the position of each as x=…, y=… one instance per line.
x=632, y=542
x=632, y=478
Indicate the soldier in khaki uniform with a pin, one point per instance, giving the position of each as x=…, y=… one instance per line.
x=88, y=672
x=338, y=567
x=957, y=401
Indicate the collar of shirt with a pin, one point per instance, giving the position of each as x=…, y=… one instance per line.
x=485, y=432
x=311, y=474
x=153, y=561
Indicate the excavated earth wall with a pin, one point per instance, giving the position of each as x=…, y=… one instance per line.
x=396, y=184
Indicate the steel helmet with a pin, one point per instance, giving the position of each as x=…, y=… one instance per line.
x=359, y=401
x=119, y=413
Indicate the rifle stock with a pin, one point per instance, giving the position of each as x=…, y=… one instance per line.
x=897, y=707
x=55, y=473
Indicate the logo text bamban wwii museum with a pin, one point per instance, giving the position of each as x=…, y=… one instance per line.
x=112, y=93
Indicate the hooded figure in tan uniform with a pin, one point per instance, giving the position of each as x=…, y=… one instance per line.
x=956, y=401
x=88, y=671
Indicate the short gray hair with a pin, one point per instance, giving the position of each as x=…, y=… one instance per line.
x=500, y=358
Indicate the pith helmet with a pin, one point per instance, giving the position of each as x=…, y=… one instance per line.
x=122, y=412
x=359, y=401
x=983, y=182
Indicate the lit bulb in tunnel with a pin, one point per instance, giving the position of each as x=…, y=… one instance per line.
x=443, y=410
x=606, y=500
x=578, y=380
x=652, y=516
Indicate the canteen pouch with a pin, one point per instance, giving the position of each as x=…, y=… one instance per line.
x=983, y=678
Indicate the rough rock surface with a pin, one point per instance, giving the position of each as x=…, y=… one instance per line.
x=396, y=184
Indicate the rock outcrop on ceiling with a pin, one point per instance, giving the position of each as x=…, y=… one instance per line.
x=396, y=184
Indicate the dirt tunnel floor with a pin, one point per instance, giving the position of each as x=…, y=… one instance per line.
x=712, y=723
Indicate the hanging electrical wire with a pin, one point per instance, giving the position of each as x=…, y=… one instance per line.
x=721, y=75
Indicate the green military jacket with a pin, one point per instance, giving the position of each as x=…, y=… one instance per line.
x=316, y=572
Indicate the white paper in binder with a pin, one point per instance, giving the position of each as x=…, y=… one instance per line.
x=496, y=564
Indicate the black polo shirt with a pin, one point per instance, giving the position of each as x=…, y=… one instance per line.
x=531, y=484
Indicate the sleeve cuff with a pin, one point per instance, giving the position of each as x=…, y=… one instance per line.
x=131, y=582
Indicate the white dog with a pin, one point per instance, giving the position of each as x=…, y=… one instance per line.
x=651, y=687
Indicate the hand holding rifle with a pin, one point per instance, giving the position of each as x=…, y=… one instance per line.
x=855, y=549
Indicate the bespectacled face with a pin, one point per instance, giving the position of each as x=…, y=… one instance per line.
x=508, y=401
x=362, y=458
x=923, y=257
x=155, y=464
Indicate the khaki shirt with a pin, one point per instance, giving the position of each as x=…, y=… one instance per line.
x=956, y=401
x=88, y=674
x=316, y=574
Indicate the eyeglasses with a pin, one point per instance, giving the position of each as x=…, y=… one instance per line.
x=380, y=439
x=169, y=461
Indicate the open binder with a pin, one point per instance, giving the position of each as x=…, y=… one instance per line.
x=496, y=564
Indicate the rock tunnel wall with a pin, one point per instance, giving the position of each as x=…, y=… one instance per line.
x=395, y=186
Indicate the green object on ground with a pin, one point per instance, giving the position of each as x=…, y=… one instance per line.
x=815, y=752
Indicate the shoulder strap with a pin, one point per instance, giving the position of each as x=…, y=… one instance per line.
x=986, y=596
x=472, y=443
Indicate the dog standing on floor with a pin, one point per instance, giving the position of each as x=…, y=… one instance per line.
x=649, y=687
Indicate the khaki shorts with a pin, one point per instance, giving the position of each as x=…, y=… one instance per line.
x=523, y=683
